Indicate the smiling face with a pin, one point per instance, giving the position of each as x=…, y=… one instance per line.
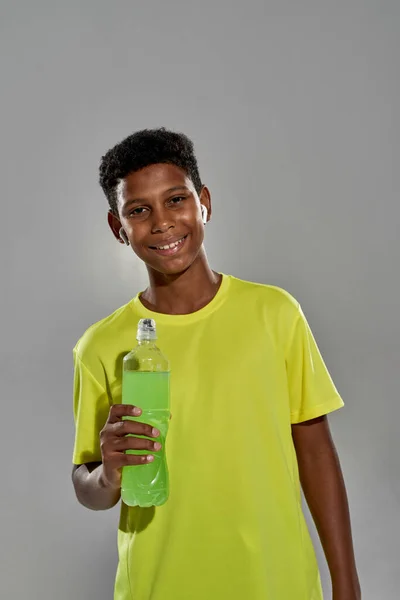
x=160, y=211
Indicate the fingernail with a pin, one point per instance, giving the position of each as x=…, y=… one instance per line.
x=136, y=411
x=155, y=432
x=157, y=446
x=150, y=458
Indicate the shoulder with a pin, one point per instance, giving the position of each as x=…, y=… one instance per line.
x=270, y=296
x=102, y=334
x=269, y=308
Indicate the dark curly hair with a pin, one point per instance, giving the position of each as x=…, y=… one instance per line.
x=144, y=148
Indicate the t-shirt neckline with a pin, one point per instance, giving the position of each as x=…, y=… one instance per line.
x=184, y=319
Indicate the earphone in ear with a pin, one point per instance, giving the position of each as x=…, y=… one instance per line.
x=123, y=236
x=204, y=213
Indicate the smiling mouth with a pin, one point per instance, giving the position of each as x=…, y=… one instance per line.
x=169, y=249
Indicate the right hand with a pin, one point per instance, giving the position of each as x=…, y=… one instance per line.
x=114, y=440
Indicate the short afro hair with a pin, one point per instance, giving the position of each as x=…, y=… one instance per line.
x=144, y=148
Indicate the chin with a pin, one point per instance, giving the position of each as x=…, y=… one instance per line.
x=170, y=267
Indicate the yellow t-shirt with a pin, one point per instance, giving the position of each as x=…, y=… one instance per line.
x=243, y=369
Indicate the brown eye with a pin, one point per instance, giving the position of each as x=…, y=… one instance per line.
x=177, y=200
x=137, y=212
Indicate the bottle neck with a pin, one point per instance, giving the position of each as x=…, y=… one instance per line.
x=148, y=343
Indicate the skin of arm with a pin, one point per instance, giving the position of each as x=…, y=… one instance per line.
x=91, y=489
x=324, y=489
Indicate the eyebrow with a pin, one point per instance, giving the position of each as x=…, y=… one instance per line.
x=176, y=188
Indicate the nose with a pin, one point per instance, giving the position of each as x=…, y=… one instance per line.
x=162, y=221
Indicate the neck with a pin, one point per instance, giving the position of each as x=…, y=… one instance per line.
x=182, y=293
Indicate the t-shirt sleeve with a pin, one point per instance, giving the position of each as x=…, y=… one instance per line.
x=91, y=407
x=311, y=390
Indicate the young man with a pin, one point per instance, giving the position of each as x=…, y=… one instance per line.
x=250, y=395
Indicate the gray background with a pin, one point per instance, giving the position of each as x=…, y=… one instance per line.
x=293, y=107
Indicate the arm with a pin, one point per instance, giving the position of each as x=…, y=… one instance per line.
x=90, y=488
x=323, y=486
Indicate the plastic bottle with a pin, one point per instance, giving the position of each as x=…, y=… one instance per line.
x=146, y=384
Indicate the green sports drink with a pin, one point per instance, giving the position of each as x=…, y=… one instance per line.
x=146, y=384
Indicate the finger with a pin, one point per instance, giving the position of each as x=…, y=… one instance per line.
x=122, y=428
x=135, y=459
x=113, y=461
x=134, y=443
x=117, y=411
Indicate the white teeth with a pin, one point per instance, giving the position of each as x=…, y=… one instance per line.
x=170, y=245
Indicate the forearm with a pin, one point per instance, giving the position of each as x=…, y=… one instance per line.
x=91, y=489
x=324, y=489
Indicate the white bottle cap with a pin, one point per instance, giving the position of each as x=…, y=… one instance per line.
x=146, y=330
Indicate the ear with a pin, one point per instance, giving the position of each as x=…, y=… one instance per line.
x=115, y=225
x=205, y=200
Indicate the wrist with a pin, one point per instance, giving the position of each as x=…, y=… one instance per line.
x=346, y=587
x=106, y=484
